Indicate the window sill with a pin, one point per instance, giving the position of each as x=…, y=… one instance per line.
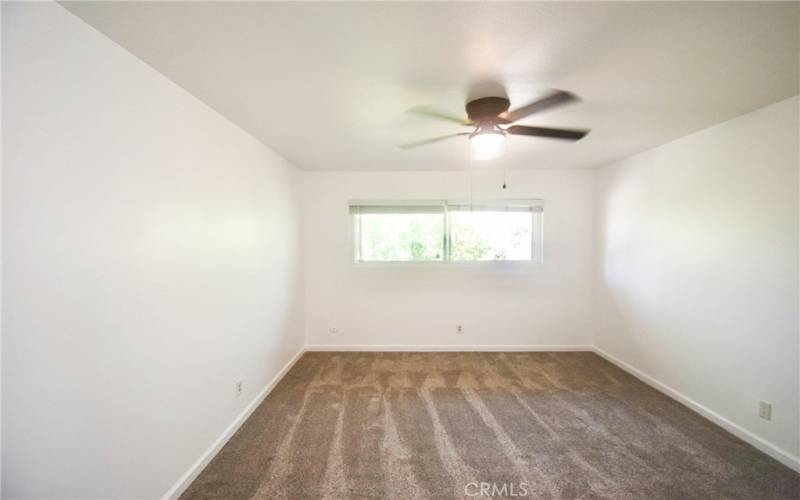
x=445, y=264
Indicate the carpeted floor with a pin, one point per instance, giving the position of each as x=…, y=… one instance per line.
x=462, y=425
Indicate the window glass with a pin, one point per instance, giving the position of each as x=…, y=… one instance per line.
x=399, y=234
x=447, y=231
x=490, y=235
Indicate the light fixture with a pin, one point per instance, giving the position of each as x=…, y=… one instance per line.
x=487, y=142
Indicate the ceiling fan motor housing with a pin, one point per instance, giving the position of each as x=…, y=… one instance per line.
x=487, y=108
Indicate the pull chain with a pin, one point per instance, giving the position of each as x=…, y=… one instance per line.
x=470, y=187
x=469, y=167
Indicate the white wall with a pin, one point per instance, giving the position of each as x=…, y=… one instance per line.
x=150, y=260
x=2, y=79
x=404, y=304
x=698, y=268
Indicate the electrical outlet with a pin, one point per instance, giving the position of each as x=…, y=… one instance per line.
x=238, y=388
x=460, y=328
x=334, y=330
x=765, y=410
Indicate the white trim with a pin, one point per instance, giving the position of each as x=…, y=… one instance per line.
x=770, y=449
x=448, y=348
x=779, y=454
x=180, y=486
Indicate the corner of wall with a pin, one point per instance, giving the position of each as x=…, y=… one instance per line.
x=303, y=179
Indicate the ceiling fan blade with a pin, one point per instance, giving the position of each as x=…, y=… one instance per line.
x=555, y=98
x=553, y=133
x=430, y=112
x=423, y=142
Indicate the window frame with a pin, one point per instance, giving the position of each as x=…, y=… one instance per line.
x=537, y=230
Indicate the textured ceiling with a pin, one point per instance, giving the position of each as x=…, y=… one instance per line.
x=327, y=84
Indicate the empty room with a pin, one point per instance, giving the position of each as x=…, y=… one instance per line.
x=400, y=250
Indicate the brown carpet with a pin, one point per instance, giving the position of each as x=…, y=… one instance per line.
x=437, y=425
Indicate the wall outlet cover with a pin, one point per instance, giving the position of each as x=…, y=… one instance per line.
x=765, y=410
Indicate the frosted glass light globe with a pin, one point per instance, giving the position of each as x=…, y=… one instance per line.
x=487, y=145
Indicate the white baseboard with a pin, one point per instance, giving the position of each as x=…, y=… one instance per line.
x=180, y=486
x=448, y=348
x=779, y=454
x=775, y=452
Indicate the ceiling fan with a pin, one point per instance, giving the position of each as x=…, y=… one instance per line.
x=493, y=121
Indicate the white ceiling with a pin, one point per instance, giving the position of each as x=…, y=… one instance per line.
x=327, y=84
